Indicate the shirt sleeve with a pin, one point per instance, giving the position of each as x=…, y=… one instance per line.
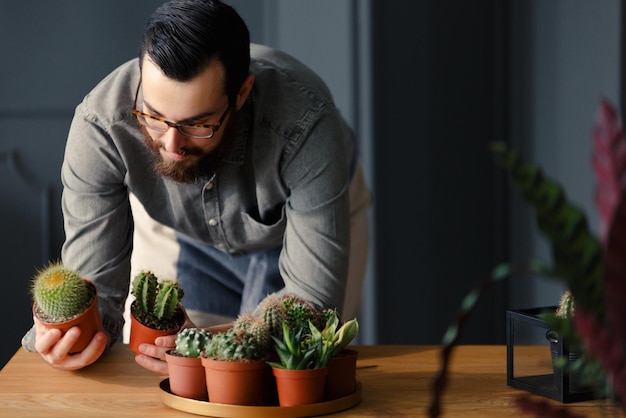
x=315, y=256
x=97, y=215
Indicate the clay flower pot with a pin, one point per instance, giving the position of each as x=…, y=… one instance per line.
x=156, y=310
x=300, y=387
x=88, y=322
x=140, y=333
x=187, y=376
x=341, y=380
x=235, y=382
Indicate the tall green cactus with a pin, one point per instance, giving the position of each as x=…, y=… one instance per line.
x=271, y=312
x=191, y=342
x=60, y=293
x=157, y=299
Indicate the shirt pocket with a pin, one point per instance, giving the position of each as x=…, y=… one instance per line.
x=256, y=234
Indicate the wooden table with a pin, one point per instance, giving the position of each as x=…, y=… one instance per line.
x=396, y=381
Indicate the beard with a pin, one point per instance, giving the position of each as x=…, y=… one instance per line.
x=203, y=165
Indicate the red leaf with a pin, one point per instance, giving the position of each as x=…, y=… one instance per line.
x=609, y=163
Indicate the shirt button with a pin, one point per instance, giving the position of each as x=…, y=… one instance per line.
x=209, y=185
x=212, y=222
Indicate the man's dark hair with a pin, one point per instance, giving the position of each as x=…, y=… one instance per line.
x=183, y=36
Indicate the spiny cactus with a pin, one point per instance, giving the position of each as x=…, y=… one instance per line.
x=271, y=312
x=290, y=309
x=191, y=342
x=256, y=327
x=298, y=312
x=60, y=293
x=566, y=305
x=237, y=344
x=157, y=299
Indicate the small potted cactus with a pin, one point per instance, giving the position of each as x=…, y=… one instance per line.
x=63, y=299
x=186, y=373
x=235, y=363
x=156, y=310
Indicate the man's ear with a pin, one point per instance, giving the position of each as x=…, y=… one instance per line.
x=244, y=91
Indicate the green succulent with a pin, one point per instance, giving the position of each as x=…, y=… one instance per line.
x=191, y=342
x=154, y=298
x=60, y=293
x=236, y=345
x=257, y=328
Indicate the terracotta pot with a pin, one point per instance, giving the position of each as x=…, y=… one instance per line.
x=300, y=387
x=235, y=382
x=341, y=380
x=139, y=334
x=187, y=377
x=88, y=322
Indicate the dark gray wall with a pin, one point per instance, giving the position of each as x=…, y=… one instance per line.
x=438, y=97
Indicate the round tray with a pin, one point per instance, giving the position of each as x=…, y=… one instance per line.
x=223, y=410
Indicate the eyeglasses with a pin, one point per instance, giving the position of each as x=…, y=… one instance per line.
x=162, y=125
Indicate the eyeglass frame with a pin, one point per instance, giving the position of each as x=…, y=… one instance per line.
x=178, y=126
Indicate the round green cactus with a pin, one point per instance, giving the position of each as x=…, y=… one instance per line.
x=256, y=327
x=235, y=345
x=298, y=312
x=191, y=342
x=60, y=293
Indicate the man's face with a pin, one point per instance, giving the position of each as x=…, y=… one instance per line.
x=202, y=100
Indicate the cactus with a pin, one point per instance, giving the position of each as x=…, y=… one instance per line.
x=144, y=289
x=157, y=299
x=247, y=340
x=292, y=310
x=236, y=345
x=167, y=299
x=257, y=328
x=60, y=293
x=191, y=342
x=566, y=306
x=156, y=303
x=271, y=312
x=298, y=312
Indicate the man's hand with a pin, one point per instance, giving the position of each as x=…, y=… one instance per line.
x=54, y=347
x=152, y=356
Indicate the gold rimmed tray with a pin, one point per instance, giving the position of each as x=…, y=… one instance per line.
x=236, y=411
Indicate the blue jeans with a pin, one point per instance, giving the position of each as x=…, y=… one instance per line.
x=223, y=284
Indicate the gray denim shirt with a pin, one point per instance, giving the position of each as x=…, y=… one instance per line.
x=284, y=179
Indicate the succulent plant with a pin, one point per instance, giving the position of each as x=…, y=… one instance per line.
x=295, y=349
x=290, y=309
x=334, y=337
x=247, y=340
x=59, y=293
x=191, y=342
x=271, y=312
x=256, y=327
x=159, y=299
x=156, y=302
x=236, y=345
x=298, y=312
x=566, y=306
